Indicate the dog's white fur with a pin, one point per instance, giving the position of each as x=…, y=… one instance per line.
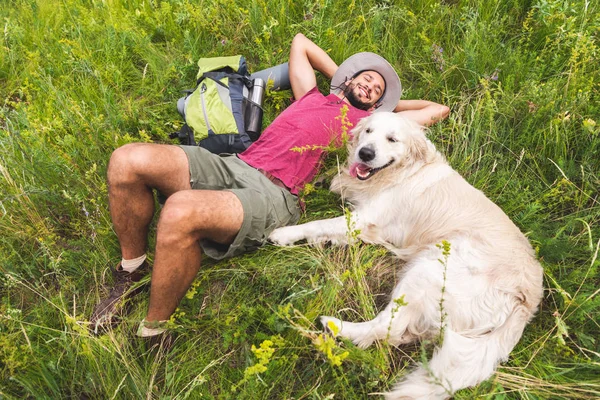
x=493, y=281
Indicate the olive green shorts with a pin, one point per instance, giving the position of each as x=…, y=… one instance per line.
x=266, y=205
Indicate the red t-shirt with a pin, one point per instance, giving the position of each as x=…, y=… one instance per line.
x=292, y=147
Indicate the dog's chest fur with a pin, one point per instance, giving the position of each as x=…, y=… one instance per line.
x=393, y=212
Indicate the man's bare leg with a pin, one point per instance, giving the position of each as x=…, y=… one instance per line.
x=134, y=170
x=187, y=217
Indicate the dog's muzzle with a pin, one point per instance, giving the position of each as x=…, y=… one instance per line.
x=363, y=171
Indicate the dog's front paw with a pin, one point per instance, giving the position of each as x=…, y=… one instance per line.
x=332, y=326
x=285, y=236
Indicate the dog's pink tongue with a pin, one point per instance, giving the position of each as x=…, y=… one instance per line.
x=353, y=169
x=358, y=168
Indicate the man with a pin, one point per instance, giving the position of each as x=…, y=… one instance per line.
x=225, y=205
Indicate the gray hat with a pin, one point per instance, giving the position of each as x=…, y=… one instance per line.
x=370, y=62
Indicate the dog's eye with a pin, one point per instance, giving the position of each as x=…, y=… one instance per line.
x=392, y=139
x=368, y=130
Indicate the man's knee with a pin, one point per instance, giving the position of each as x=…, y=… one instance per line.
x=127, y=161
x=179, y=215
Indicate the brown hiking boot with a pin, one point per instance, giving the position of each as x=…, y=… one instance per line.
x=126, y=285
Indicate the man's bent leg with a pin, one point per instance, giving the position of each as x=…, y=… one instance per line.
x=188, y=217
x=134, y=170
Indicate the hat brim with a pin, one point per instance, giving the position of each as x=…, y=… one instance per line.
x=370, y=61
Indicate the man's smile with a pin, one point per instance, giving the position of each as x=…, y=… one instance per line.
x=365, y=92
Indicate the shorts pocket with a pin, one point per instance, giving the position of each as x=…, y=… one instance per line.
x=286, y=209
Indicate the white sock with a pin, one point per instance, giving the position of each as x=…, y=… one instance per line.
x=144, y=331
x=132, y=265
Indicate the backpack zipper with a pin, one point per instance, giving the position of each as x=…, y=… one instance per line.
x=202, y=90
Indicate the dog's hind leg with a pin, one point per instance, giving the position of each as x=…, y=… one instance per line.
x=389, y=324
x=413, y=311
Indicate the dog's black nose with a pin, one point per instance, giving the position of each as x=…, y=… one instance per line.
x=366, y=153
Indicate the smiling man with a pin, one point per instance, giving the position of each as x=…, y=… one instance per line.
x=224, y=205
x=365, y=89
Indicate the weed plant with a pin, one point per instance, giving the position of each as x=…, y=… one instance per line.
x=79, y=78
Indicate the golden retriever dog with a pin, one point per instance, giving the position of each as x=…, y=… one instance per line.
x=407, y=198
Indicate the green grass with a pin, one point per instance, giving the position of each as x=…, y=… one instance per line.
x=78, y=78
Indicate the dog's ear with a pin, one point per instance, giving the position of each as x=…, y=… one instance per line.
x=356, y=131
x=417, y=146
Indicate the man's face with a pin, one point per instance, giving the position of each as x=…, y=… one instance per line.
x=364, y=90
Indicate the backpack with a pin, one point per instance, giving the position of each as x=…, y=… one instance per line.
x=218, y=111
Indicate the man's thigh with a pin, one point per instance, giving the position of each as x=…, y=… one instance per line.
x=213, y=214
x=265, y=208
x=209, y=171
x=265, y=205
x=160, y=166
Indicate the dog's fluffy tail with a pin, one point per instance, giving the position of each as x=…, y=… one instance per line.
x=462, y=361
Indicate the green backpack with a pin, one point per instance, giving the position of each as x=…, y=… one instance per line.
x=215, y=112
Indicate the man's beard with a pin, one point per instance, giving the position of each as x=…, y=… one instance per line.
x=353, y=99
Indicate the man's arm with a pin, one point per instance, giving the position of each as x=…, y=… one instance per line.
x=423, y=112
x=305, y=57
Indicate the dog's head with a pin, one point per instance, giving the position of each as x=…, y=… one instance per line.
x=385, y=140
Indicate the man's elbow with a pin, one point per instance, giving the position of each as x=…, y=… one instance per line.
x=437, y=113
x=444, y=112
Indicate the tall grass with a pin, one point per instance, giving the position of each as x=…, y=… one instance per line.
x=79, y=78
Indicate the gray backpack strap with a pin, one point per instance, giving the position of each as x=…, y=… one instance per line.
x=237, y=102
